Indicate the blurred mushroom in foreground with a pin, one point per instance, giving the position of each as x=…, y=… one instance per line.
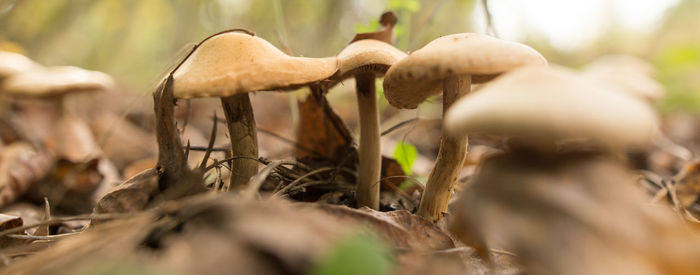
x=451, y=64
x=232, y=64
x=557, y=198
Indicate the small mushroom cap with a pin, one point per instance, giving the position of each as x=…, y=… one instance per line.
x=542, y=106
x=12, y=63
x=56, y=81
x=630, y=81
x=231, y=63
x=625, y=61
x=419, y=76
x=367, y=56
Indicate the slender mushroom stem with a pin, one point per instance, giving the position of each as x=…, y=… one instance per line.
x=453, y=150
x=369, y=151
x=244, y=140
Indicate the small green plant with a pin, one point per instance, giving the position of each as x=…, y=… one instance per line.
x=405, y=154
x=357, y=254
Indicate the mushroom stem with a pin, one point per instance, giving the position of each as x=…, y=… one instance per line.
x=369, y=151
x=453, y=150
x=244, y=140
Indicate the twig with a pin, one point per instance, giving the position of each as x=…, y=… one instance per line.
x=212, y=139
x=66, y=219
x=43, y=238
x=399, y=125
x=299, y=179
x=257, y=181
x=202, y=148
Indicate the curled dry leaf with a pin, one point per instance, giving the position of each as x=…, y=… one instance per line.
x=132, y=195
x=8, y=222
x=20, y=167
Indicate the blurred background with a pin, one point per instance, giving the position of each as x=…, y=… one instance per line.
x=137, y=41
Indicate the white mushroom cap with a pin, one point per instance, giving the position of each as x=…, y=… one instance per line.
x=543, y=106
x=232, y=62
x=367, y=55
x=634, y=79
x=12, y=63
x=419, y=76
x=623, y=61
x=56, y=81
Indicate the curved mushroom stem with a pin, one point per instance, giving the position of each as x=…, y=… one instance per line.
x=369, y=151
x=453, y=150
x=244, y=140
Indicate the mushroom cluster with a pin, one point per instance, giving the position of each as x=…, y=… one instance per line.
x=233, y=63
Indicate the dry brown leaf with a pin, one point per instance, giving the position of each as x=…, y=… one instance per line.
x=20, y=167
x=9, y=222
x=386, y=34
x=322, y=136
x=220, y=234
x=132, y=195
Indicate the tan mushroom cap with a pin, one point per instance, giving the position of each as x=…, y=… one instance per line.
x=231, y=63
x=367, y=55
x=543, y=106
x=12, y=63
x=419, y=76
x=56, y=81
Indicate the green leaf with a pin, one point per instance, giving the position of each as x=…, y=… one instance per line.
x=357, y=254
x=371, y=27
x=405, y=154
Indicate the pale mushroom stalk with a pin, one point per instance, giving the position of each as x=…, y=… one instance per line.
x=453, y=150
x=451, y=64
x=240, y=123
x=369, y=168
x=367, y=59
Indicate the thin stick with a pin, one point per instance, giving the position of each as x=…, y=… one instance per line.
x=255, y=182
x=66, y=219
x=299, y=179
x=399, y=125
x=43, y=238
x=212, y=139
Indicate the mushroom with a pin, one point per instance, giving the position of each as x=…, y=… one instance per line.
x=366, y=60
x=451, y=63
x=53, y=83
x=629, y=74
x=12, y=63
x=571, y=195
x=542, y=107
x=232, y=64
